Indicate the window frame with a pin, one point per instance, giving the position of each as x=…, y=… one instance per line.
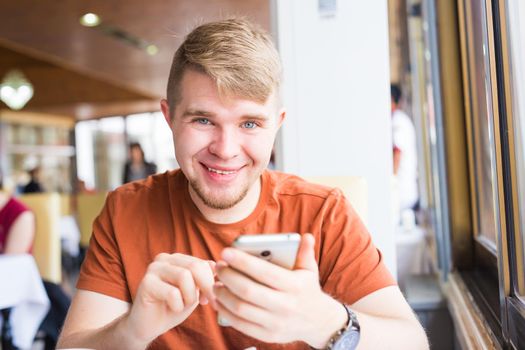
x=510, y=328
x=514, y=303
x=488, y=277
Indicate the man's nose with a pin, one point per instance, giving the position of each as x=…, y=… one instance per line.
x=225, y=144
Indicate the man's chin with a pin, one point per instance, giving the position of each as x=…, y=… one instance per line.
x=220, y=200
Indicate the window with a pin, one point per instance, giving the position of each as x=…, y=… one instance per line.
x=153, y=133
x=482, y=124
x=494, y=54
x=101, y=152
x=102, y=147
x=484, y=277
x=483, y=127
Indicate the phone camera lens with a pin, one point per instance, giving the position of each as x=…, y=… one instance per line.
x=265, y=253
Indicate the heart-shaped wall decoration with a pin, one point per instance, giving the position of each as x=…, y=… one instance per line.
x=15, y=90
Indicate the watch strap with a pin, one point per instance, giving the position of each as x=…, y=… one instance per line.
x=352, y=325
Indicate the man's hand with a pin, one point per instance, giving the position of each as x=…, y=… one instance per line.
x=276, y=305
x=171, y=289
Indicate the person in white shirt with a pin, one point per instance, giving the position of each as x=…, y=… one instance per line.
x=404, y=152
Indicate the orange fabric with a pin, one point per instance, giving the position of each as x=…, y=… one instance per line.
x=145, y=218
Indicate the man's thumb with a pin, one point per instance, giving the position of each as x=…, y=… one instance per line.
x=306, y=254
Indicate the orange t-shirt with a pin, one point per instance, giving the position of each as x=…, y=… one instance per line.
x=145, y=218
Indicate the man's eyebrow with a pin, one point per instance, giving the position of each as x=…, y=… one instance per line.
x=197, y=112
x=258, y=117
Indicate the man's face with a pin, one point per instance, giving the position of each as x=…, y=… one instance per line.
x=221, y=144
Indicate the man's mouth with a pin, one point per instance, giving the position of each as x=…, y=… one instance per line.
x=221, y=172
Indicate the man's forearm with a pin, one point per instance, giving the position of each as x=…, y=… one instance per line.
x=115, y=335
x=381, y=332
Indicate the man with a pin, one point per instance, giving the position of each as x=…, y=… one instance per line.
x=149, y=276
x=404, y=152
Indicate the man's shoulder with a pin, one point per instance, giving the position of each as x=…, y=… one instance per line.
x=289, y=185
x=152, y=185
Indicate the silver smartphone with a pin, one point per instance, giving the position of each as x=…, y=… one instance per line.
x=278, y=248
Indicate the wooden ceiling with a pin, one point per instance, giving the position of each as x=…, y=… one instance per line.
x=84, y=73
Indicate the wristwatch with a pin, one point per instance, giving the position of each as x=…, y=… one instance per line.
x=346, y=338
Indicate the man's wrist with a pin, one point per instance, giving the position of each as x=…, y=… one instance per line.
x=335, y=318
x=348, y=337
x=137, y=337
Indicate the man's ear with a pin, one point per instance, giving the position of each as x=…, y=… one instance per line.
x=165, y=108
x=280, y=117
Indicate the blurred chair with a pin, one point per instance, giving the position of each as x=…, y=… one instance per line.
x=354, y=188
x=46, y=248
x=69, y=235
x=65, y=204
x=89, y=206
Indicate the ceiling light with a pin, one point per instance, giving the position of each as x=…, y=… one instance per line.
x=15, y=90
x=90, y=20
x=152, y=50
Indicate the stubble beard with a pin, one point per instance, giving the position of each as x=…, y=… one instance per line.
x=217, y=202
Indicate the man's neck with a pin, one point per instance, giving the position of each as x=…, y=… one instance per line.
x=236, y=213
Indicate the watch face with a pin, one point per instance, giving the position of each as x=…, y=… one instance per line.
x=348, y=340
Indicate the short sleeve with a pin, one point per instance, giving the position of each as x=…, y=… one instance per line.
x=102, y=270
x=351, y=267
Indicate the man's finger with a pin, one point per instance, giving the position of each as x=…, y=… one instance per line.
x=182, y=279
x=159, y=290
x=306, y=254
x=249, y=290
x=201, y=270
x=244, y=326
x=258, y=269
x=241, y=308
x=174, y=300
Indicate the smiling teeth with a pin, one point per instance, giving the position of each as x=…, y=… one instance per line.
x=222, y=172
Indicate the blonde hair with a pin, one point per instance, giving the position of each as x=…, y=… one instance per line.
x=238, y=55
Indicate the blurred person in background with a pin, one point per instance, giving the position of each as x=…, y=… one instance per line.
x=17, y=233
x=137, y=168
x=33, y=186
x=404, y=153
x=17, y=225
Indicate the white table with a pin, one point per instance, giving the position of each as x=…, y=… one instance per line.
x=22, y=290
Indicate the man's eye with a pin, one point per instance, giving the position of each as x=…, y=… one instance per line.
x=249, y=125
x=203, y=121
